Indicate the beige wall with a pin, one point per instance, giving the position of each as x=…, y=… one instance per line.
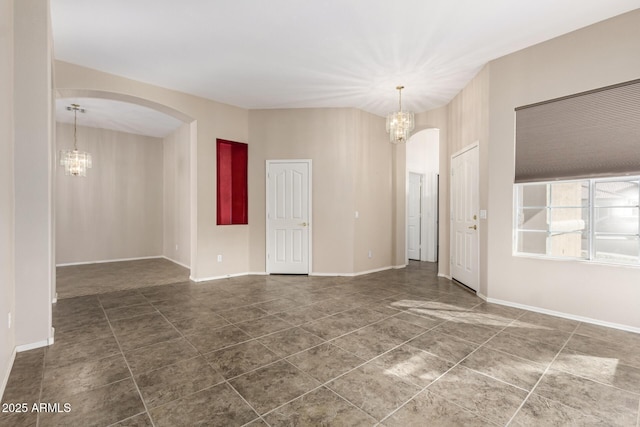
x=177, y=200
x=33, y=164
x=7, y=277
x=596, y=56
x=350, y=172
x=373, y=195
x=214, y=120
x=116, y=211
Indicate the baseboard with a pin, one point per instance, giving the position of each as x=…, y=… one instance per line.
x=358, y=273
x=446, y=276
x=565, y=315
x=111, y=260
x=176, y=262
x=5, y=378
x=396, y=267
x=226, y=276
x=32, y=346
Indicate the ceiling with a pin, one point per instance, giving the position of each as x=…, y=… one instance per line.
x=259, y=54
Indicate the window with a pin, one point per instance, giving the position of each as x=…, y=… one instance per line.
x=590, y=219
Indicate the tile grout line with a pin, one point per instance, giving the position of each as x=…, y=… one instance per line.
x=200, y=354
x=450, y=369
x=542, y=376
x=135, y=383
x=44, y=366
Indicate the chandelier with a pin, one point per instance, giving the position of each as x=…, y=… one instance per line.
x=401, y=123
x=75, y=162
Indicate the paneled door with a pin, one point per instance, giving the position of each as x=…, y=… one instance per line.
x=288, y=216
x=464, y=217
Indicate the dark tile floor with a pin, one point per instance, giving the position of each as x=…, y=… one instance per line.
x=396, y=348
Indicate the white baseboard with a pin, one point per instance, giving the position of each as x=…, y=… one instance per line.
x=446, y=276
x=226, y=276
x=358, y=273
x=396, y=267
x=565, y=315
x=31, y=346
x=176, y=262
x=111, y=260
x=5, y=378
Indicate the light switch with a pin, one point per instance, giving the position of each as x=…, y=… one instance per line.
x=483, y=214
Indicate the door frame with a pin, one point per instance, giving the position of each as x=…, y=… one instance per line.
x=421, y=222
x=474, y=145
x=309, y=164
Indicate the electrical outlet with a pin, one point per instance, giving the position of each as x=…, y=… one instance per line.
x=176, y=248
x=219, y=258
x=370, y=254
x=9, y=321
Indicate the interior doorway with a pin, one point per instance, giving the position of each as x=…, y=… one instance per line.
x=423, y=165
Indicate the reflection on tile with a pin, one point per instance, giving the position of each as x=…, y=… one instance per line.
x=606, y=370
x=215, y=406
x=533, y=331
x=273, y=385
x=321, y=407
x=174, y=381
x=505, y=367
x=238, y=359
x=484, y=396
x=372, y=390
x=554, y=322
x=445, y=346
x=413, y=365
x=534, y=351
x=325, y=361
x=429, y=409
x=618, y=406
x=538, y=411
x=600, y=348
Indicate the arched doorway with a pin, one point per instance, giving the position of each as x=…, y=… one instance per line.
x=423, y=168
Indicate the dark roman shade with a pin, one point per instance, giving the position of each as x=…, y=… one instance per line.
x=587, y=135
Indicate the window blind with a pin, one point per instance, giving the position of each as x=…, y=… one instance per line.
x=586, y=135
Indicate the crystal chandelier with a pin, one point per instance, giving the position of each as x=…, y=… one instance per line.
x=401, y=123
x=75, y=162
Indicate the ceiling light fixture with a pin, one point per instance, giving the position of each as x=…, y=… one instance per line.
x=401, y=123
x=75, y=162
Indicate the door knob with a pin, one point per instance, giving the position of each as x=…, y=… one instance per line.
x=475, y=227
x=304, y=224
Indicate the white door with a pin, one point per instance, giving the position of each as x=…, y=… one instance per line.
x=464, y=218
x=414, y=216
x=288, y=216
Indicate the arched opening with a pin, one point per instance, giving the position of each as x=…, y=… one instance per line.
x=422, y=195
x=136, y=202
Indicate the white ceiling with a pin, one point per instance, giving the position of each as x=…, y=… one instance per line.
x=295, y=54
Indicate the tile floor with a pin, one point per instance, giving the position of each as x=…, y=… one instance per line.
x=395, y=348
x=98, y=278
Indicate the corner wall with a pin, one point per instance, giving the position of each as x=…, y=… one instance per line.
x=176, y=199
x=7, y=199
x=33, y=175
x=602, y=54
